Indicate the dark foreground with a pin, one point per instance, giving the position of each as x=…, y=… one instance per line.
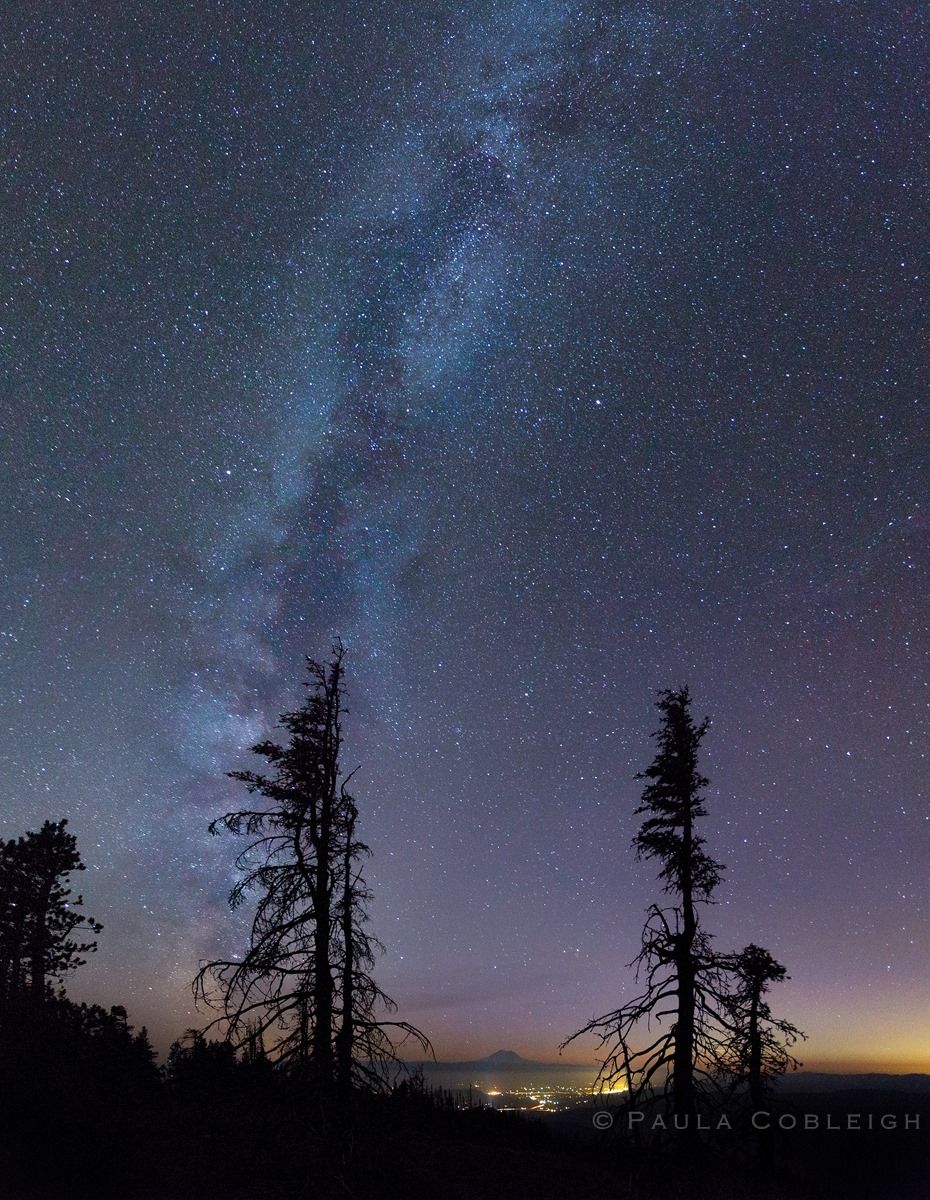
x=216, y=1147
x=85, y=1115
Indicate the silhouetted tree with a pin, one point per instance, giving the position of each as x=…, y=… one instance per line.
x=304, y=979
x=43, y=933
x=757, y=1048
x=200, y=1068
x=77, y=1083
x=682, y=976
x=12, y=924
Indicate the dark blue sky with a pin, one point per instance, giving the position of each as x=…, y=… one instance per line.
x=550, y=354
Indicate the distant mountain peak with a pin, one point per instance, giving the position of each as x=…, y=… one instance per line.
x=501, y=1058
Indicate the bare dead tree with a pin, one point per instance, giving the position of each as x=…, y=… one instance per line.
x=303, y=987
x=638, y=1041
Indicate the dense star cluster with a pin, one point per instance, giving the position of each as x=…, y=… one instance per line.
x=550, y=354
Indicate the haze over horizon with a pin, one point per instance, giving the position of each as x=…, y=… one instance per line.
x=550, y=355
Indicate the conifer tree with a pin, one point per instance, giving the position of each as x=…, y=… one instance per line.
x=757, y=1049
x=303, y=987
x=682, y=976
x=44, y=935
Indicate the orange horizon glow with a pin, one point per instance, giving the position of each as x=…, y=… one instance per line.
x=897, y=1061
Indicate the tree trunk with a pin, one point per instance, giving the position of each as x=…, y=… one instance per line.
x=345, y=1039
x=755, y=1054
x=683, y=1064
x=322, y=899
x=322, y=988
x=683, y=1067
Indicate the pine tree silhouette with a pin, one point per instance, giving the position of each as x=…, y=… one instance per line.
x=44, y=935
x=683, y=978
x=303, y=988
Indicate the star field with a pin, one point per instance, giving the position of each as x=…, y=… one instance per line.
x=549, y=354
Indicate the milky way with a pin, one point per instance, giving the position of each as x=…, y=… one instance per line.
x=549, y=354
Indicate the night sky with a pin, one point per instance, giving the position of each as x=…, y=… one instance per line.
x=549, y=353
